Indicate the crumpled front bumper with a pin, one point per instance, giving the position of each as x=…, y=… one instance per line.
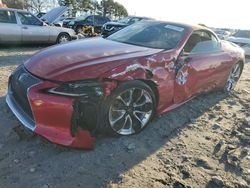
x=52, y=116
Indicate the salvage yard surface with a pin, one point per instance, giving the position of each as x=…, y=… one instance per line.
x=204, y=143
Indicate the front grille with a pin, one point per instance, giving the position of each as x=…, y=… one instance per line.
x=20, y=82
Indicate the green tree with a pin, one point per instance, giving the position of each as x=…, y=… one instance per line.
x=113, y=9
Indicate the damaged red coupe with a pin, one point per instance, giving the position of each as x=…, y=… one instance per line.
x=72, y=92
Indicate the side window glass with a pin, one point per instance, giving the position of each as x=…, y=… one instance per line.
x=202, y=42
x=28, y=19
x=7, y=17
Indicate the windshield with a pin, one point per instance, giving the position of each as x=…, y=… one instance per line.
x=150, y=34
x=242, y=34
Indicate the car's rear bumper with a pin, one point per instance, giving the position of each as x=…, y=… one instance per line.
x=52, y=117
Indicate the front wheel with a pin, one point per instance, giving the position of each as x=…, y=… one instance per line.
x=63, y=37
x=233, y=77
x=130, y=108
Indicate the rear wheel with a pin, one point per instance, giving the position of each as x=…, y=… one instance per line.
x=130, y=108
x=233, y=77
x=63, y=37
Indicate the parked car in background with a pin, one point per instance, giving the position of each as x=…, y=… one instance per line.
x=70, y=93
x=111, y=27
x=242, y=38
x=67, y=20
x=19, y=26
x=222, y=34
x=88, y=20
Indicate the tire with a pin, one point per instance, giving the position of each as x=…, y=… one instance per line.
x=63, y=37
x=233, y=77
x=124, y=115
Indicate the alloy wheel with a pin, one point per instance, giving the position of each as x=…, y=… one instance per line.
x=233, y=78
x=131, y=111
x=63, y=39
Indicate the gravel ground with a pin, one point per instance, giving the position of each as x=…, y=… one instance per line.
x=204, y=143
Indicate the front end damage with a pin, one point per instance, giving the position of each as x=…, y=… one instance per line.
x=62, y=119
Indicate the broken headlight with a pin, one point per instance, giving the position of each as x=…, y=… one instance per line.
x=79, y=89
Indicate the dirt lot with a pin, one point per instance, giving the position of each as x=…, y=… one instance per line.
x=204, y=143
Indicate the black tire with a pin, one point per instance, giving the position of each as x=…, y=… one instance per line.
x=124, y=87
x=62, y=36
x=227, y=88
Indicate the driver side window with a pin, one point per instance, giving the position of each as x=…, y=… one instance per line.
x=28, y=19
x=202, y=42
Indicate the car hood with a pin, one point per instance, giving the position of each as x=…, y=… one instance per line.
x=54, y=14
x=83, y=59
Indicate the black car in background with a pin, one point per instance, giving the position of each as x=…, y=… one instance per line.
x=89, y=20
x=111, y=27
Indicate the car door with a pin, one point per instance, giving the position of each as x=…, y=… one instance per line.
x=33, y=30
x=201, y=67
x=10, y=31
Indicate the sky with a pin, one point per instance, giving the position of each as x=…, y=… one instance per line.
x=213, y=13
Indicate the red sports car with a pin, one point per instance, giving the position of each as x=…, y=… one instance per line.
x=70, y=93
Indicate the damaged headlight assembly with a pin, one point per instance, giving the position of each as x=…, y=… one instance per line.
x=79, y=89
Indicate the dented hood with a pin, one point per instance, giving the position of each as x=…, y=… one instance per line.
x=83, y=59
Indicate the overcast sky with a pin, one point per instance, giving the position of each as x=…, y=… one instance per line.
x=214, y=13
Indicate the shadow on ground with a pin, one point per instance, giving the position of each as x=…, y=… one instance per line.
x=42, y=163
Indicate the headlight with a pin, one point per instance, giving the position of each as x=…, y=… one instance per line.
x=78, y=89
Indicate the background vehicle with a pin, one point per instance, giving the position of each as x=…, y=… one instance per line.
x=69, y=93
x=222, y=34
x=67, y=20
x=242, y=38
x=18, y=26
x=89, y=20
x=111, y=27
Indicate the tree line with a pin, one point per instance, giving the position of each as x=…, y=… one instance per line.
x=108, y=8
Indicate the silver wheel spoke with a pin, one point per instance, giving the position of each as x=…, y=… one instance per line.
x=144, y=114
x=130, y=100
x=139, y=98
x=128, y=119
x=121, y=99
x=112, y=122
x=147, y=100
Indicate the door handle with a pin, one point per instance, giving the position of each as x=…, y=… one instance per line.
x=24, y=27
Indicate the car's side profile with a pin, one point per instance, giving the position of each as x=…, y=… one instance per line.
x=72, y=92
x=19, y=27
x=88, y=20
